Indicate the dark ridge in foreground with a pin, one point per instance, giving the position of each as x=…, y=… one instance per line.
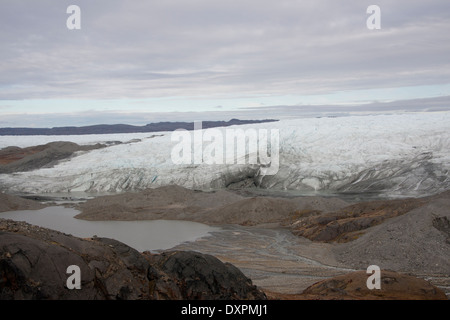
x=122, y=128
x=34, y=263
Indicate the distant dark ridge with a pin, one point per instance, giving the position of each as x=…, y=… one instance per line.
x=122, y=128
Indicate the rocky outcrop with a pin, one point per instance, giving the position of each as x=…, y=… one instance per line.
x=415, y=242
x=350, y=222
x=394, y=286
x=15, y=159
x=191, y=275
x=34, y=262
x=442, y=224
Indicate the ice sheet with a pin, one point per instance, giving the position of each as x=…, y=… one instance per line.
x=393, y=154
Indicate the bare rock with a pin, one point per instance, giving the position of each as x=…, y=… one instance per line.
x=394, y=286
x=199, y=276
x=34, y=262
x=14, y=159
x=350, y=222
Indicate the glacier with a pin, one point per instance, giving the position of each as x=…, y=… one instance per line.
x=390, y=154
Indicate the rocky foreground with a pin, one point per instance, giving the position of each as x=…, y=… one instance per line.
x=34, y=261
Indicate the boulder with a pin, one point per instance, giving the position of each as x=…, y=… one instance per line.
x=198, y=276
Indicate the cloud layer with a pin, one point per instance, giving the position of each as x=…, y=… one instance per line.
x=220, y=49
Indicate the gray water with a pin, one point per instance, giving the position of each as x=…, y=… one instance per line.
x=144, y=235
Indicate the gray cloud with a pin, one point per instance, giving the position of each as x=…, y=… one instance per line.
x=144, y=49
x=414, y=105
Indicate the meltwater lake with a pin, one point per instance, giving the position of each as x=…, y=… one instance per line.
x=151, y=235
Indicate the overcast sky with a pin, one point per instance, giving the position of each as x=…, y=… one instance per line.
x=220, y=57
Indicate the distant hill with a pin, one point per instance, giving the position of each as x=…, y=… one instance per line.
x=121, y=128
